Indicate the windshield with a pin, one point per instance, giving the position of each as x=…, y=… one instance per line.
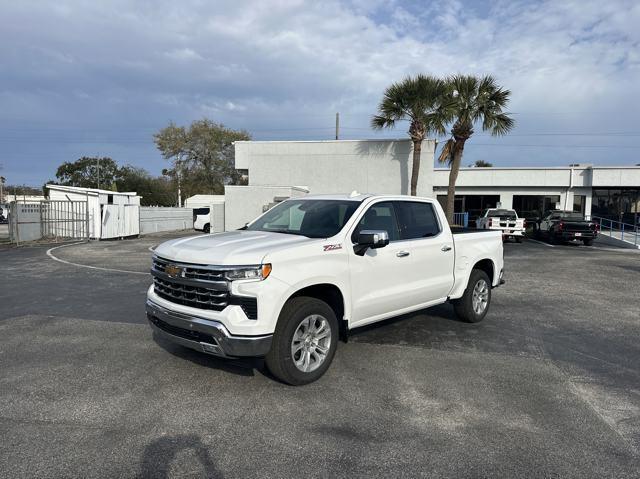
x=312, y=218
x=511, y=214
x=567, y=215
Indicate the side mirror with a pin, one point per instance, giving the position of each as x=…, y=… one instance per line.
x=371, y=239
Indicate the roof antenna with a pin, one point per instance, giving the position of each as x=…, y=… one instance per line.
x=354, y=193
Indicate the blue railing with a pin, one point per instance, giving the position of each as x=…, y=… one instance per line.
x=461, y=219
x=618, y=229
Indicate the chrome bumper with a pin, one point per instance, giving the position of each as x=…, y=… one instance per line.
x=204, y=335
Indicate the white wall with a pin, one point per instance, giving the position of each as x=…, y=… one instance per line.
x=616, y=176
x=337, y=166
x=245, y=203
x=157, y=219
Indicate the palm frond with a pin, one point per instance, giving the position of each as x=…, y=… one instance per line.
x=446, y=155
x=378, y=122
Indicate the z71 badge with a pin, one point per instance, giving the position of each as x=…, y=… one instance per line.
x=331, y=247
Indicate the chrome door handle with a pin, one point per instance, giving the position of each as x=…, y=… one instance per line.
x=446, y=248
x=402, y=254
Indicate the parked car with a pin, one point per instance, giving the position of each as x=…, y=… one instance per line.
x=202, y=219
x=563, y=226
x=311, y=269
x=504, y=220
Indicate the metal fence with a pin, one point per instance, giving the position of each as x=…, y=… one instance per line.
x=49, y=219
x=461, y=219
x=618, y=230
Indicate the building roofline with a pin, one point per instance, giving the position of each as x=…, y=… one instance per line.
x=328, y=141
x=80, y=189
x=481, y=168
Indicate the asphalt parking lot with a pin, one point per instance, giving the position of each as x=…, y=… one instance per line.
x=548, y=385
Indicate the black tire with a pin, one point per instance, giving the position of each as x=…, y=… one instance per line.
x=464, y=306
x=536, y=232
x=207, y=228
x=552, y=238
x=280, y=360
x=518, y=239
x=587, y=242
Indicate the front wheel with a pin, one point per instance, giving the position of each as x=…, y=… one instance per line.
x=305, y=341
x=588, y=242
x=474, y=303
x=518, y=239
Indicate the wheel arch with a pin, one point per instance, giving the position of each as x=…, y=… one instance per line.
x=330, y=294
x=487, y=266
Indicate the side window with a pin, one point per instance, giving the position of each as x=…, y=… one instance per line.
x=416, y=220
x=380, y=216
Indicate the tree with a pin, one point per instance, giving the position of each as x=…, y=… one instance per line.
x=202, y=155
x=482, y=164
x=418, y=100
x=155, y=191
x=88, y=172
x=474, y=101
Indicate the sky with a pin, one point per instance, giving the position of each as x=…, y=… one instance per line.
x=87, y=78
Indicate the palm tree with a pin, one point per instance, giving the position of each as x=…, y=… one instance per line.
x=482, y=164
x=417, y=100
x=475, y=101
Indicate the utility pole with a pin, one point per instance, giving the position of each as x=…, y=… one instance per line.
x=2, y=180
x=178, y=175
x=337, y=125
x=98, y=165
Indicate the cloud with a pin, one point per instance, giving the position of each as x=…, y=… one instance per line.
x=281, y=69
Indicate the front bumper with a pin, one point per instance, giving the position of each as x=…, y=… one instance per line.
x=204, y=335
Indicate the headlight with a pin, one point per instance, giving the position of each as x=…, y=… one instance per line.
x=249, y=272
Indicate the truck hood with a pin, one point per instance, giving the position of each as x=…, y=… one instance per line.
x=231, y=248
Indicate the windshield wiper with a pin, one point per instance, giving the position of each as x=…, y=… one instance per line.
x=287, y=232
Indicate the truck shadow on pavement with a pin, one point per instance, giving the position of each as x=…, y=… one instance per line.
x=159, y=455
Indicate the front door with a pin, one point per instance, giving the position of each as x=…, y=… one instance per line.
x=378, y=278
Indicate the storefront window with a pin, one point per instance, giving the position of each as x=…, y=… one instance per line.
x=616, y=204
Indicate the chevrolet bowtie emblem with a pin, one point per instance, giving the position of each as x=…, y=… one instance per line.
x=173, y=270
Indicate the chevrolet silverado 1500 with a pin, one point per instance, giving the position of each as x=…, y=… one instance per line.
x=295, y=280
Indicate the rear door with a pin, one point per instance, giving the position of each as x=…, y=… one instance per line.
x=430, y=277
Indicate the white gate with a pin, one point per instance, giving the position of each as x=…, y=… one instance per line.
x=119, y=221
x=51, y=220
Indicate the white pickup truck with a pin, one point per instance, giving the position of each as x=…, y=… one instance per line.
x=504, y=220
x=295, y=280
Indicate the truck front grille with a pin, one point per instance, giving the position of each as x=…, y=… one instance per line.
x=194, y=296
x=198, y=286
x=195, y=271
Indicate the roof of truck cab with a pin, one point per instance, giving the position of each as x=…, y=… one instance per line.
x=357, y=197
x=341, y=197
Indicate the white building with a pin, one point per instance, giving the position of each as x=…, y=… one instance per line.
x=336, y=166
x=110, y=212
x=201, y=201
x=606, y=191
x=384, y=166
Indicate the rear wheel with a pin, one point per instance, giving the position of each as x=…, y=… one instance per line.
x=518, y=239
x=475, y=301
x=587, y=242
x=552, y=238
x=305, y=341
x=207, y=228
